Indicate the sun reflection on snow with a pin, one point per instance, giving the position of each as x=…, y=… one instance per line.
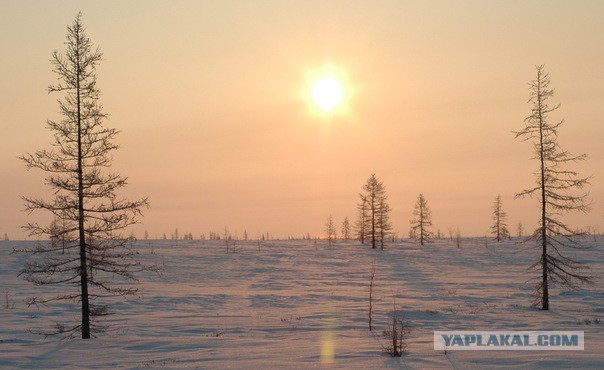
x=328, y=345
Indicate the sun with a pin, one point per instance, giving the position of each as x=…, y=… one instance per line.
x=327, y=93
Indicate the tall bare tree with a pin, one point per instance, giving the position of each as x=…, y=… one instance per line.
x=422, y=220
x=500, y=227
x=559, y=190
x=91, y=216
x=374, y=202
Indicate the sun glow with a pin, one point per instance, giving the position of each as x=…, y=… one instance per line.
x=327, y=93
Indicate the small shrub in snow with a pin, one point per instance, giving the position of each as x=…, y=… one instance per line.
x=9, y=304
x=292, y=321
x=215, y=334
x=395, y=334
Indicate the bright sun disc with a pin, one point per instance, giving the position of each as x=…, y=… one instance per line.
x=327, y=93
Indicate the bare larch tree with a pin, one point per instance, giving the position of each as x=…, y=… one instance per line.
x=92, y=260
x=422, y=220
x=330, y=231
x=500, y=227
x=374, y=208
x=346, y=229
x=383, y=221
x=361, y=222
x=560, y=190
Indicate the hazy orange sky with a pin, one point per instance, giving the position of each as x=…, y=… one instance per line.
x=218, y=128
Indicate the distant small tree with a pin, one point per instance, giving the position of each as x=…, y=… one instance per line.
x=6, y=237
x=132, y=239
x=345, y=229
x=499, y=228
x=422, y=220
x=520, y=230
x=361, y=223
x=226, y=236
x=594, y=232
x=412, y=234
x=384, y=226
x=61, y=234
x=559, y=190
x=330, y=231
x=245, y=237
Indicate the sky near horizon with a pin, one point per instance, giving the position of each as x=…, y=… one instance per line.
x=218, y=129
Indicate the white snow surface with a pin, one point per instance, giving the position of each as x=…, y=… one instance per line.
x=292, y=304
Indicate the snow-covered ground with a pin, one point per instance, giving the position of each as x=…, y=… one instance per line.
x=302, y=304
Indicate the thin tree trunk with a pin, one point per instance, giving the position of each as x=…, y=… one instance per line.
x=544, y=284
x=498, y=222
x=83, y=257
x=373, y=221
x=421, y=224
x=371, y=277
